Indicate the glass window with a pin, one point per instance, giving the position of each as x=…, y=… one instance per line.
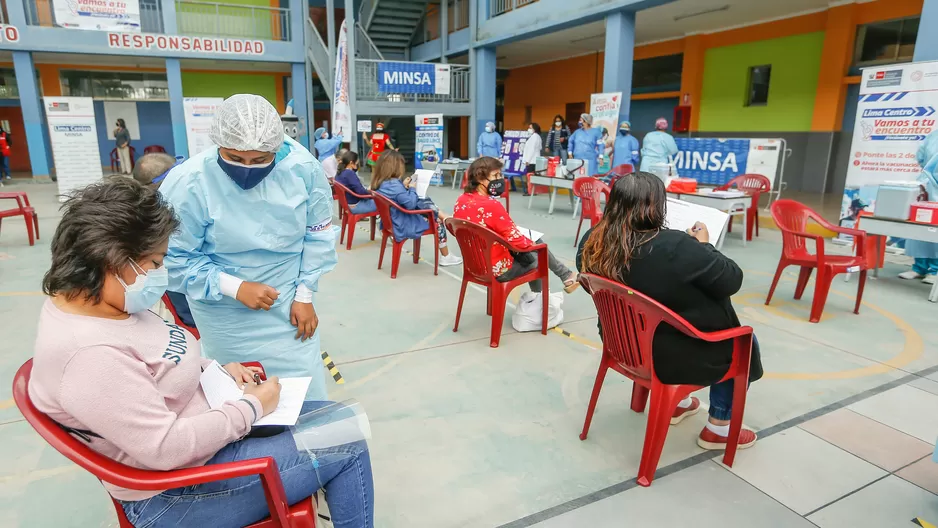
x=115, y=85
x=8, y=88
x=660, y=74
x=886, y=42
x=758, y=92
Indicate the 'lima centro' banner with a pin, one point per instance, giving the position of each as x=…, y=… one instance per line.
x=341, y=113
x=428, y=149
x=99, y=15
x=716, y=161
x=604, y=108
x=74, y=137
x=897, y=109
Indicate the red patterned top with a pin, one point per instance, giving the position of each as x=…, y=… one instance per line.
x=489, y=212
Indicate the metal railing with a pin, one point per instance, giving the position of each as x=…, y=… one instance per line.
x=366, y=86
x=41, y=13
x=366, y=12
x=318, y=55
x=232, y=20
x=500, y=7
x=365, y=48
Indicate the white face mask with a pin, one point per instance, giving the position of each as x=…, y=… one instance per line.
x=558, y=123
x=488, y=129
x=530, y=131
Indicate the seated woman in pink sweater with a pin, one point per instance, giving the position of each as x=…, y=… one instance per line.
x=120, y=378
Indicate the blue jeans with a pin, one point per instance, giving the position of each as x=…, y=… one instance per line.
x=925, y=266
x=363, y=207
x=5, y=166
x=562, y=152
x=344, y=472
x=721, y=394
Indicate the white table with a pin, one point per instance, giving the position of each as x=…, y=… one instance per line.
x=554, y=184
x=732, y=205
x=455, y=167
x=876, y=225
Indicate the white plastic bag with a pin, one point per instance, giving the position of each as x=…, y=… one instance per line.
x=527, y=317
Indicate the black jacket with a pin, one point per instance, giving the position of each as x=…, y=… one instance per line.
x=695, y=281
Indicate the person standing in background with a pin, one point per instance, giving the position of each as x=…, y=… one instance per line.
x=6, y=142
x=557, y=139
x=378, y=142
x=490, y=142
x=627, y=148
x=585, y=144
x=532, y=148
x=657, y=147
x=326, y=146
x=925, y=253
x=122, y=139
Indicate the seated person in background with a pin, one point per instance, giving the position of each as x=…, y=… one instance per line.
x=682, y=271
x=348, y=176
x=480, y=204
x=127, y=383
x=388, y=179
x=150, y=171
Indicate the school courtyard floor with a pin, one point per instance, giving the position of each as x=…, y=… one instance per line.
x=470, y=436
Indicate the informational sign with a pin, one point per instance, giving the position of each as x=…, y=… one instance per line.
x=199, y=113
x=98, y=15
x=897, y=109
x=114, y=110
x=716, y=161
x=604, y=108
x=9, y=33
x=512, y=151
x=428, y=144
x=341, y=112
x=195, y=45
x=413, y=77
x=74, y=142
x=364, y=126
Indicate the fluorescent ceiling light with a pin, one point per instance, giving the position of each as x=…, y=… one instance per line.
x=725, y=7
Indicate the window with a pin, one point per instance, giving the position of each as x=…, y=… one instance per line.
x=115, y=85
x=886, y=42
x=8, y=88
x=657, y=74
x=758, y=92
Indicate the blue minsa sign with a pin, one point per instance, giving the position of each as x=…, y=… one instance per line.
x=711, y=161
x=406, y=77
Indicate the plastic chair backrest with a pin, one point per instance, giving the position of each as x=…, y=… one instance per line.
x=754, y=183
x=792, y=217
x=341, y=195
x=153, y=148
x=628, y=320
x=475, y=245
x=622, y=170
x=588, y=190
x=383, y=204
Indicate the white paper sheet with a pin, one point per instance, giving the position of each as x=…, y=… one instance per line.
x=530, y=233
x=728, y=194
x=219, y=387
x=421, y=181
x=683, y=215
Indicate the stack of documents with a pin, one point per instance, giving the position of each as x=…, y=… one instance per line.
x=219, y=387
x=683, y=215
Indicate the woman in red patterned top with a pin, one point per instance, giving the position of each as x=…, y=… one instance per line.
x=480, y=204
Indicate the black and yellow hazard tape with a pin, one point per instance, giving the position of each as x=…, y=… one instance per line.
x=918, y=521
x=333, y=370
x=586, y=342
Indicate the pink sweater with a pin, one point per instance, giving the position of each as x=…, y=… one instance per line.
x=134, y=382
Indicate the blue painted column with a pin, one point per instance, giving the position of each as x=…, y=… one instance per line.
x=31, y=106
x=926, y=44
x=620, y=53
x=483, y=100
x=177, y=111
x=300, y=105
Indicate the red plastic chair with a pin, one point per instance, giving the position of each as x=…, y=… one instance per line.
x=753, y=185
x=153, y=148
x=172, y=309
x=588, y=189
x=629, y=320
x=873, y=259
x=350, y=219
x=506, y=195
x=24, y=209
x=475, y=244
x=116, y=161
x=282, y=515
x=792, y=219
x=387, y=231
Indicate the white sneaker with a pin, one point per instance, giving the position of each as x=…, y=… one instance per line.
x=450, y=260
x=929, y=279
x=910, y=275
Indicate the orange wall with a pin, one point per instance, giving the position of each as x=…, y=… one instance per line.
x=548, y=87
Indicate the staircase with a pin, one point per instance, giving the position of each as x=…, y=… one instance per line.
x=391, y=24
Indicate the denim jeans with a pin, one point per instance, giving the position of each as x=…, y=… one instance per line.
x=721, y=394
x=426, y=203
x=363, y=207
x=562, y=152
x=525, y=262
x=4, y=165
x=344, y=472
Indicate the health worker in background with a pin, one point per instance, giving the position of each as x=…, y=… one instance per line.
x=586, y=144
x=925, y=253
x=657, y=147
x=326, y=146
x=256, y=235
x=490, y=142
x=379, y=142
x=627, y=148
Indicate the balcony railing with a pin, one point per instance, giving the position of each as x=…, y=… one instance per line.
x=366, y=86
x=500, y=7
x=194, y=18
x=457, y=18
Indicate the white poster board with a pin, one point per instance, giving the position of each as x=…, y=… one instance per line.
x=897, y=109
x=199, y=112
x=364, y=126
x=114, y=110
x=74, y=137
x=98, y=15
x=341, y=112
x=604, y=108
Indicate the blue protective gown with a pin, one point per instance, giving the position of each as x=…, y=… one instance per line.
x=327, y=147
x=927, y=157
x=626, y=151
x=657, y=147
x=490, y=144
x=279, y=233
x=585, y=144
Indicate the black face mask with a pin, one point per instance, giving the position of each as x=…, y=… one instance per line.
x=497, y=187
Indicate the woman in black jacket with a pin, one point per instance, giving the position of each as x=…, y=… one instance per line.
x=556, y=144
x=682, y=271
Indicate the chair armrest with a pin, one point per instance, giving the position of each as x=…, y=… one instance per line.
x=14, y=196
x=360, y=196
x=818, y=243
x=724, y=335
x=516, y=249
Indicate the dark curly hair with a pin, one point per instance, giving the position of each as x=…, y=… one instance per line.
x=479, y=172
x=103, y=226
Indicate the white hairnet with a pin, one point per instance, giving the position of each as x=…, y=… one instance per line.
x=247, y=122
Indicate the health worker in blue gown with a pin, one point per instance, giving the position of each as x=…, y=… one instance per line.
x=586, y=144
x=925, y=253
x=256, y=235
x=326, y=147
x=658, y=147
x=626, y=147
x=490, y=142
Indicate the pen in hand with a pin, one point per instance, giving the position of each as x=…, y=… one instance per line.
x=257, y=378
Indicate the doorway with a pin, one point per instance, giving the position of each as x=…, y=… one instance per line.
x=573, y=112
